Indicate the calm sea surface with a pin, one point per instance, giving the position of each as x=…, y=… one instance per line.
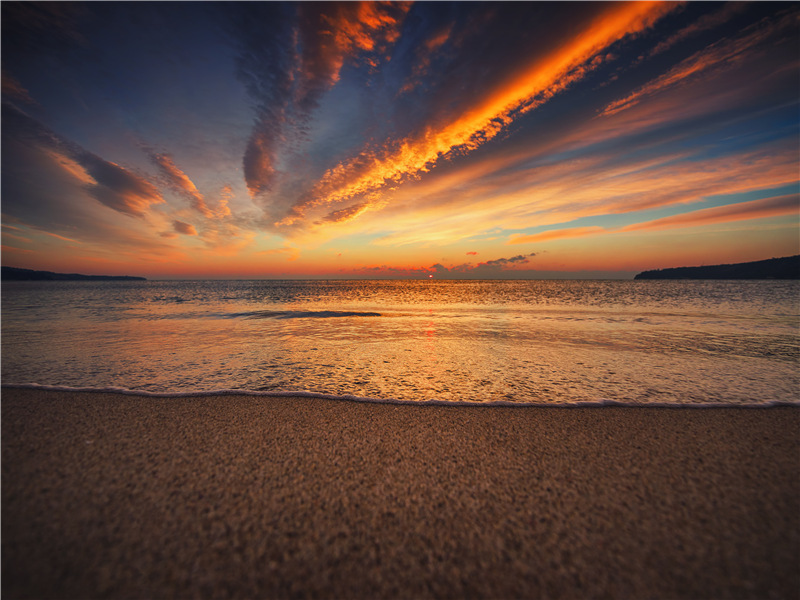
x=674, y=342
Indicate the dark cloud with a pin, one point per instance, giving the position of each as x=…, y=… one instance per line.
x=514, y=260
x=29, y=146
x=262, y=32
x=346, y=214
x=483, y=271
x=184, y=228
x=289, y=56
x=490, y=269
x=34, y=28
x=13, y=90
x=332, y=32
x=117, y=187
x=705, y=22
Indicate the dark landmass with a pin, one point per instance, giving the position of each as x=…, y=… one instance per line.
x=15, y=274
x=774, y=268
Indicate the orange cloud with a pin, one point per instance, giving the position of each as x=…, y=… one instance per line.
x=290, y=253
x=706, y=63
x=69, y=165
x=332, y=33
x=366, y=25
x=328, y=35
x=180, y=181
x=706, y=22
x=226, y=195
x=777, y=206
x=556, y=234
x=567, y=190
x=14, y=89
x=184, y=228
x=15, y=237
x=107, y=182
x=61, y=237
x=118, y=188
x=347, y=214
x=425, y=52
x=541, y=80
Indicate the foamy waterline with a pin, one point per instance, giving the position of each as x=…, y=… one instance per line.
x=393, y=401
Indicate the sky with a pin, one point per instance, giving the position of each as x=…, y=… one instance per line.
x=391, y=140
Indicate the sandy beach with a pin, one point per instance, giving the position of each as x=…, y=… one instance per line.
x=111, y=496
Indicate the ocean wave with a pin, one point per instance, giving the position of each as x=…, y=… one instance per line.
x=603, y=403
x=299, y=314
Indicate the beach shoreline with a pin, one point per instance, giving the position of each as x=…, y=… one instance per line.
x=125, y=496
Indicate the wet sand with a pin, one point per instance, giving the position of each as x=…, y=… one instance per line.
x=116, y=496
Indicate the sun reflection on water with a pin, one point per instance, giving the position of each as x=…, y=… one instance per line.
x=527, y=341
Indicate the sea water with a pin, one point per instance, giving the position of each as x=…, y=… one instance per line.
x=541, y=342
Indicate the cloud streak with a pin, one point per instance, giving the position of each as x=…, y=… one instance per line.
x=184, y=228
x=117, y=187
x=539, y=82
x=179, y=181
x=110, y=184
x=777, y=206
x=309, y=43
x=708, y=62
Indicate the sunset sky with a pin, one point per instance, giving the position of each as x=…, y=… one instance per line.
x=473, y=140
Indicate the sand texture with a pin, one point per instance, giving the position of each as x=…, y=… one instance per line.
x=111, y=496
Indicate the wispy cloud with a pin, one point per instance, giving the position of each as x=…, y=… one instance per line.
x=299, y=57
x=347, y=214
x=184, y=228
x=777, y=206
x=54, y=188
x=13, y=90
x=708, y=62
x=118, y=188
x=423, y=56
x=520, y=259
x=114, y=186
x=704, y=23
x=556, y=234
x=499, y=267
x=179, y=181
x=289, y=252
x=543, y=78
x=618, y=182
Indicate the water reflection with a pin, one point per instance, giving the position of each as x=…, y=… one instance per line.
x=540, y=341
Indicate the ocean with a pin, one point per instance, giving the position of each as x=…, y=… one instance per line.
x=693, y=343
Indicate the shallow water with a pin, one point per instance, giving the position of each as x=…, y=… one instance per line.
x=674, y=342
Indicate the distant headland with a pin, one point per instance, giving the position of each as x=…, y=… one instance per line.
x=773, y=268
x=16, y=274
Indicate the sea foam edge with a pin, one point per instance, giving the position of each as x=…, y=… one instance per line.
x=393, y=401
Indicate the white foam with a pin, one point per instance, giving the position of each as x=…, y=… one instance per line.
x=350, y=398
